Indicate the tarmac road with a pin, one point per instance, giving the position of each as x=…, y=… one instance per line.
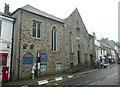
x=108, y=76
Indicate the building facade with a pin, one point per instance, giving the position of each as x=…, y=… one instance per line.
x=6, y=30
x=52, y=43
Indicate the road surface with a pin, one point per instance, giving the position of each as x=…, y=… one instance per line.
x=108, y=76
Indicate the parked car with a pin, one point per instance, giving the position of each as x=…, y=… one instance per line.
x=118, y=61
x=104, y=65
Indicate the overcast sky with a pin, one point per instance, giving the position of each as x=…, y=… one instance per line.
x=100, y=16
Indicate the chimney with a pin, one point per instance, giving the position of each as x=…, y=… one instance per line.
x=94, y=35
x=6, y=10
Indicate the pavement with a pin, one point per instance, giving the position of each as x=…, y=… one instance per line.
x=47, y=79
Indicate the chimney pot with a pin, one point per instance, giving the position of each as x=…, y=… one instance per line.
x=6, y=9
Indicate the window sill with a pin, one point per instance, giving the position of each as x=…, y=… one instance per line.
x=36, y=38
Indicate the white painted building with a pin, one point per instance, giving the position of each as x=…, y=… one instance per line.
x=98, y=50
x=6, y=29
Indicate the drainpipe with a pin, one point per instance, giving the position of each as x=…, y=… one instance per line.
x=11, y=66
x=19, y=45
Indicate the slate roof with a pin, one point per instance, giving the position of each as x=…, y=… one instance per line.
x=39, y=12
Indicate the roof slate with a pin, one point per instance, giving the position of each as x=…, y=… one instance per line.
x=39, y=12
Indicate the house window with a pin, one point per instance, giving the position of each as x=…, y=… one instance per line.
x=32, y=47
x=0, y=27
x=58, y=66
x=25, y=46
x=37, y=28
x=43, y=67
x=70, y=42
x=54, y=39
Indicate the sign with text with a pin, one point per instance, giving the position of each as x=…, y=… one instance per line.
x=27, y=60
x=43, y=57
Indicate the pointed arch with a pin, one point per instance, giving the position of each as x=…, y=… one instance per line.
x=54, y=39
x=70, y=42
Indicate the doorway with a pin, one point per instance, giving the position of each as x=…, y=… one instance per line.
x=91, y=60
x=78, y=54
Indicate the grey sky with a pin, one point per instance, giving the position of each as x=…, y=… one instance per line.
x=100, y=16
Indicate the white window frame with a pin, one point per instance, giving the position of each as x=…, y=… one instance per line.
x=43, y=67
x=41, y=27
x=58, y=66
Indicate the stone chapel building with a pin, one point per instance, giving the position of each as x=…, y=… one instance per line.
x=54, y=44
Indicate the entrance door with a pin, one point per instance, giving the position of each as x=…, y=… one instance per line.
x=91, y=60
x=78, y=53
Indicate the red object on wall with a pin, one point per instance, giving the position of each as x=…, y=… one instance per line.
x=5, y=73
x=3, y=54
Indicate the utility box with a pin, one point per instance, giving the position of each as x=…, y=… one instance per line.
x=5, y=70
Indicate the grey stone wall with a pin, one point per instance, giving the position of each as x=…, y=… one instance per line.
x=72, y=25
x=23, y=34
x=42, y=45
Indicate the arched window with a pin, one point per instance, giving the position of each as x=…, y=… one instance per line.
x=37, y=29
x=54, y=39
x=70, y=42
x=32, y=47
x=34, y=29
x=77, y=23
x=25, y=46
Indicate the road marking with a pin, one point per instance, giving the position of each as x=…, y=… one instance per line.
x=98, y=77
x=42, y=82
x=82, y=75
x=58, y=78
x=24, y=86
x=94, y=83
x=70, y=76
x=112, y=75
x=87, y=81
x=77, y=76
x=78, y=84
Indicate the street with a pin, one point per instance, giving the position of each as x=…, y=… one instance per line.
x=108, y=76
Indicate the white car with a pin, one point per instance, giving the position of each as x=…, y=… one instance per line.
x=104, y=65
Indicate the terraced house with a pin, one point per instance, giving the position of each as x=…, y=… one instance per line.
x=52, y=43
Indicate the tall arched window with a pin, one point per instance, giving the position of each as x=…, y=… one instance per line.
x=70, y=42
x=37, y=29
x=54, y=39
x=77, y=23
